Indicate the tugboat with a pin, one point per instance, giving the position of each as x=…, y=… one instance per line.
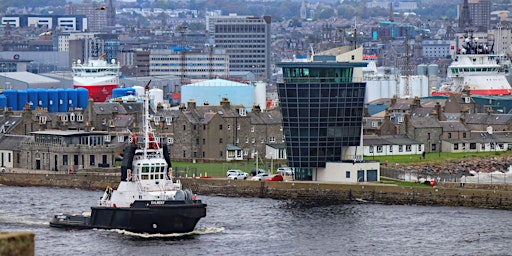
x=148, y=199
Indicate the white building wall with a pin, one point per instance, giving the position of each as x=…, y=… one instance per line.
x=337, y=172
x=6, y=159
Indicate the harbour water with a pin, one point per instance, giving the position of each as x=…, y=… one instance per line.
x=255, y=226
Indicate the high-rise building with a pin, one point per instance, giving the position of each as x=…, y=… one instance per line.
x=246, y=40
x=322, y=106
x=479, y=15
x=96, y=14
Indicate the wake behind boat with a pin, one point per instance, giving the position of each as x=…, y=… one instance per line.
x=148, y=199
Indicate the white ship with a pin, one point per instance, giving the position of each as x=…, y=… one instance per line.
x=477, y=70
x=97, y=76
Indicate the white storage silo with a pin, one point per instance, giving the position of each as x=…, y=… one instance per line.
x=260, y=95
x=157, y=96
x=139, y=90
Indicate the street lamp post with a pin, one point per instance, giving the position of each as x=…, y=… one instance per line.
x=256, y=162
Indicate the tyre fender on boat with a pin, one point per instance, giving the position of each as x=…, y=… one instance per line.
x=180, y=195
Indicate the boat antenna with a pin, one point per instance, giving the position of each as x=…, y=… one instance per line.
x=146, y=118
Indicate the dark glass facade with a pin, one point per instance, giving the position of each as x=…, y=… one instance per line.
x=322, y=112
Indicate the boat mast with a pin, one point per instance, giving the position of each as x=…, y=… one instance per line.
x=146, y=119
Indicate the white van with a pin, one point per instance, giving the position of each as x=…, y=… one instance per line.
x=285, y=171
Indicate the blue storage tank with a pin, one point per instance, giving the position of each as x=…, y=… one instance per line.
x=63, y=100
x=118, y=92
x=3, y=101
x=32, y=98
x=83, y=97
x=22, y=99
x=42, y=97
x=72, y=98
x=12, y=98
x=130, y=91
x=53, y=101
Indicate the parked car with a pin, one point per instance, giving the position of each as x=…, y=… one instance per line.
x=255, y=172
x=285, y=171
x=275, y=177
x=230, y=172
x=261, y=176
x=238, y=176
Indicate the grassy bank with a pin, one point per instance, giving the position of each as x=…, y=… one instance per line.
x=188, y=169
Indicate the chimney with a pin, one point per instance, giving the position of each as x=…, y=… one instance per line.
x=225, y=103
x=256, y=109
x=182, y=106
x=417, y=101
x=438, y=110
x=191, y=104
x=393, y=100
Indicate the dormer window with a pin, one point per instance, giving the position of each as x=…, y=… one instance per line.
x=242, y=111
x=375, y=124
x=80, y=118
x=400, y=119
x=168, y=120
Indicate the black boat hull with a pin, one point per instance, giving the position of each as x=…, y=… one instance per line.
x=144, y=217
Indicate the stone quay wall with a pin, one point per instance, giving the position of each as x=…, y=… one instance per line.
x=17, y=243
x=309, y=192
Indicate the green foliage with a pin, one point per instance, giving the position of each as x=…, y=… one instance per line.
x=219, y=169
x=402, y=183
x=436, y=157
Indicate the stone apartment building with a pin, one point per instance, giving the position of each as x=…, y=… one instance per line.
x=222, y=132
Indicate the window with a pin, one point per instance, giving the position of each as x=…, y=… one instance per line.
x=347, y=174
x=379, y=149
x=463, y=135
x=428, y=136
x=408, y=148
x=242, y=111
x=220, y=140
x=375, y=124
x=229, y=127
x=253, y=140
x=252, y=128
x=449, y=135
x=400, y=148
x=246, y=139
x=220, y=126
x=391, y=148
x=272, y=139
x=184, y=127
x=92, y=160
x=371, y=149
x=456, y=146
x=170, y=140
